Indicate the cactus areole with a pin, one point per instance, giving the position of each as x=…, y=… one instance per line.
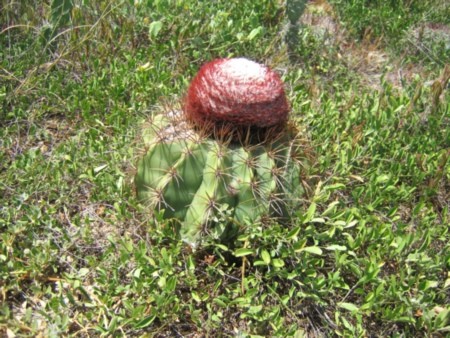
x=236, y=93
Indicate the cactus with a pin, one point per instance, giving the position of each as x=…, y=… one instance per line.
x=199, y=177
x=192, y=176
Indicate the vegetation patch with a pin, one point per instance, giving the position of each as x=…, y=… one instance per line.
x=366, y=251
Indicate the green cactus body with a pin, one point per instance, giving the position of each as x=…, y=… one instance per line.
x=193, y=178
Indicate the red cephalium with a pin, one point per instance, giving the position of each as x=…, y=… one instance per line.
x=236, y=92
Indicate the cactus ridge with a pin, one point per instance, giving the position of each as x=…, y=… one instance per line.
x=194, y=178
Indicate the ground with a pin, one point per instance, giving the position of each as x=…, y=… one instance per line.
x=366, y=249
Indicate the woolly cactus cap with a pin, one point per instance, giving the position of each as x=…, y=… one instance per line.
x=236, y=93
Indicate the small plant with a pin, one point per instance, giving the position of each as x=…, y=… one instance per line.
x=230, y=147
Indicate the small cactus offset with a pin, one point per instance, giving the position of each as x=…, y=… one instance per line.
x=201, y=177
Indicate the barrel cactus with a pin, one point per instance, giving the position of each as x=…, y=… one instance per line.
x=227, y=157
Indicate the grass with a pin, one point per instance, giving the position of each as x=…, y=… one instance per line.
x=408, y=28
x=368, y=252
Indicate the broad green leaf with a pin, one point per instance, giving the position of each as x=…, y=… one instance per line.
x=335, y=247
x=243, y=238
x=137, y=273
x=243, y=252
x=277, y=263
x=340, y=223
x=254, y=33
x=154, y=28
x=351, y=224
x=315, y=250
x=145, y=322
x=335, y=186
x=161, y=282
x=382, y=179
x=195, y=297
x=265, y=256
x=330, y=208
x=255, y=309
x=310, y=213
x=221, y=247
x=348, y=306
x=144, y=67
x=428, y=284
x=447, y=283
x=399, y=108
x=219, y=302
x=190, y=264
x=293, y=233
x=299, y=245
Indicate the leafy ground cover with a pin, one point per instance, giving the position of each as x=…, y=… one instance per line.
x=366, y=254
